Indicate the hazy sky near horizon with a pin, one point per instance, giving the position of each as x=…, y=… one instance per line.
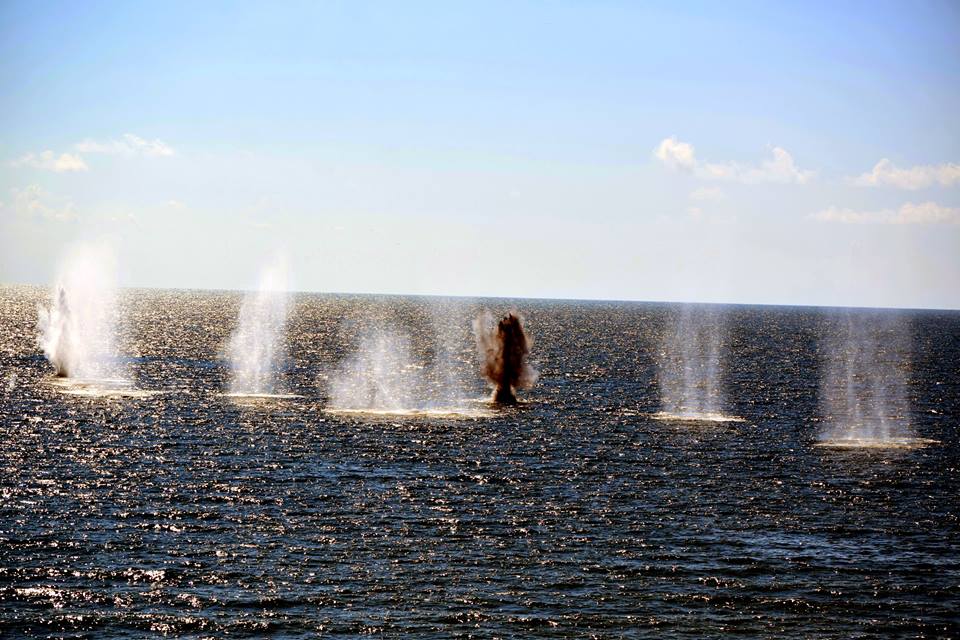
x=804, y=153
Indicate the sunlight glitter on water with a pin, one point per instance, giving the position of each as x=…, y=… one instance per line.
x=207, y=514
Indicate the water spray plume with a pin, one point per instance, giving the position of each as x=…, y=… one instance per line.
x=393, y=371
x=256, y=350
x=380, y=376
x=77, y=332
x=863, y=393
x=503, y=348
x=690, y=369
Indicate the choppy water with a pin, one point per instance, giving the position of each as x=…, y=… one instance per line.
x=577, y=514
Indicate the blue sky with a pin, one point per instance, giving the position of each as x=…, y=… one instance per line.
x=798, y=153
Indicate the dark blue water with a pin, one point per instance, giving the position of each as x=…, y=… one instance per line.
x=190, y=514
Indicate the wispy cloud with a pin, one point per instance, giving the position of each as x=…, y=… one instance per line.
x=909, y=213
x=128, y=145
x=50, y=161
x=703, y=216
x=34, y=202
x=885, y=173
x=123, y=218
x=707, y=194
x=781, y=168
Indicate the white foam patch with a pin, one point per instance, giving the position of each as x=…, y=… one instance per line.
x=262, y=396
x=454, y=412
x=877, y=443
x=101, y=388
x=666, y=416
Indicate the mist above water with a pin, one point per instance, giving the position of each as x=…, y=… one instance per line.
x=386, y=373
x=77, y=331
x=863, y=392
x=690, y=366
x=256, y=350
x=380, y=376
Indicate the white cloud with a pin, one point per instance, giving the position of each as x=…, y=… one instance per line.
x=781, y=168
x=675, y=154
x=128, y=145
x=708, y=194
x=909, y=213
x=175, y=204
x=885, y=173
x=50, y=161
x=32, y=201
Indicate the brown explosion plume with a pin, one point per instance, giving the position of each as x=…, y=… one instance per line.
x=503, y=349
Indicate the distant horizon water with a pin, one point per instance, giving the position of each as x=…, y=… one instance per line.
x=506, y=297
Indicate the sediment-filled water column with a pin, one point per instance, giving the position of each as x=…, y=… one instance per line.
x=503, y=347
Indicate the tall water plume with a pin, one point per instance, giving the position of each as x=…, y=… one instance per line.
x=380, y=375
x=409, y=368
x=451, y=376
x=257, y=347
x=503, y=347
x=77, y=331
x=863, y=392
x=690, y=365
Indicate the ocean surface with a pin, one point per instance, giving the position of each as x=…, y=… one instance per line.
x=175, y=509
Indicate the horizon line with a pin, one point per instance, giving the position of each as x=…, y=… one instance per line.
x=530, y=298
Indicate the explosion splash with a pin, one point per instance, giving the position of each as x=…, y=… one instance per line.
x=503, y=347
x=77, y=330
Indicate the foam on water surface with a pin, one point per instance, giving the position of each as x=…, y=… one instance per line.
x=667, y=416
x=877, y=443
x=101, y=388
